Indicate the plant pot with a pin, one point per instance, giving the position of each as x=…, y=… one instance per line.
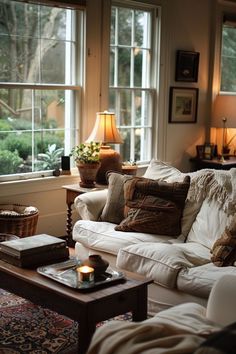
x=88, y=172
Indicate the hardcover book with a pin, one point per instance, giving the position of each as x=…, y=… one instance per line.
x=43, y=258
x=31, y=245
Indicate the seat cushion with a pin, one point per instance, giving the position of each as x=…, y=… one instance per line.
x=102, y=236
x=199, y=280
x=162, y=261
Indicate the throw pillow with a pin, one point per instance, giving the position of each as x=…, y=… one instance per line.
x=113, y=210
x=154, y=207
x=162, y=171
x=224, y=249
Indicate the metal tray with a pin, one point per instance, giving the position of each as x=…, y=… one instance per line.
x=65, y=273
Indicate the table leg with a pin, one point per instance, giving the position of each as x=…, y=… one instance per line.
x=140, y=311
x=69, y=225
x=86, y=331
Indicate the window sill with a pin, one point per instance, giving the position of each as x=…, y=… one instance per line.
x=35, y=185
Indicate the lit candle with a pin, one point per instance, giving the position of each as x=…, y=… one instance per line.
x=85, y=274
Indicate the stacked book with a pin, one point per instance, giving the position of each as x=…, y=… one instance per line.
x=34, y=251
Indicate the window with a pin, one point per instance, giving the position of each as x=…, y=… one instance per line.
x=131, y=87
x=228, y=55
x=38, y=86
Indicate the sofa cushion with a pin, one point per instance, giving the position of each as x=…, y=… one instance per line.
x=209, y=225
x=154, y=206
x=113, y=210
x=101, y=236
x=199, y=280
x=161, y=171
x=162, y=262
x=224, y=249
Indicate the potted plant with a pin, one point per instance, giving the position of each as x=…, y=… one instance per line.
x=86, y=156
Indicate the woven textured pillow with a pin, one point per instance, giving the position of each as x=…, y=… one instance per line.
x=224, y=249
x=154, y=207
x=113, y=210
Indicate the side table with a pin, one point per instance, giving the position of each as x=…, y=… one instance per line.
x=72, y=191
x=214, y=163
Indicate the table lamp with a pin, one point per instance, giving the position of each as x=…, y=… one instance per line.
x=224, y=116
x=106, y=132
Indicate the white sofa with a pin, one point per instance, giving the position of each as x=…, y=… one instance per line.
x=181, y=267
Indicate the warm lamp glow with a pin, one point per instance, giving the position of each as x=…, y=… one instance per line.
x=224, y=116
x=105, y=131
x=224, y=107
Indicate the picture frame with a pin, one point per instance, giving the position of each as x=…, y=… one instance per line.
x=200, y=151
x=209, y=151
x=187, y=63
x=183, y=103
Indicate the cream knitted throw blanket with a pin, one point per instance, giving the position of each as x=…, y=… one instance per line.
x=215, y=185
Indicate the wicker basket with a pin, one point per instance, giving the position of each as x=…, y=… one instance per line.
x=19, y=220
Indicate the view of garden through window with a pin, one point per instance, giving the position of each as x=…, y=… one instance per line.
x=36, y=86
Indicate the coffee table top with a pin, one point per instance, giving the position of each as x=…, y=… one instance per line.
x=29, y=277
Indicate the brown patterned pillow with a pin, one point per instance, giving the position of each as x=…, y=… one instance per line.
x=154, y=207
x=224, y=249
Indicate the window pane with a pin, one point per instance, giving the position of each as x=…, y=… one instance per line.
x=112, y=67
x=228, y=60
x=124, y=67
x=125, y=148
x=137, y=155
x=125, y=107
x=34, y=43
x=124, y=26
x=33, y=123
x=113, y=25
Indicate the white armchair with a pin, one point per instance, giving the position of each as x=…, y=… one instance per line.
x=184, y=328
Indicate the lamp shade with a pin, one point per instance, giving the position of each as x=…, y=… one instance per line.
x=105, y=130
x=224, y=108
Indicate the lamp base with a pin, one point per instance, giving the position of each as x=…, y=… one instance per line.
x=110, y=161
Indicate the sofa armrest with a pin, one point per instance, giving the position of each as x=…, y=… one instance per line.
x=89, y=205
x=221, y=306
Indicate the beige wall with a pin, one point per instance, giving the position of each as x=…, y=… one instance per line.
x=186, y=25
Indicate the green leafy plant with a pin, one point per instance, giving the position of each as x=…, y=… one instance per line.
x=52, y=158
x=86, y=153
x=10, y=162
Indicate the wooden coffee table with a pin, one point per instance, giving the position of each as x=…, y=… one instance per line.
x=87, y=308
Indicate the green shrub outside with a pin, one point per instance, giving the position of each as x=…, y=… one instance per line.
x=23, y=144
x=10, y=162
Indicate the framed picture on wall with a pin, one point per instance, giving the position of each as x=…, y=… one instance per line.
x=186, y=66
x=183, y=105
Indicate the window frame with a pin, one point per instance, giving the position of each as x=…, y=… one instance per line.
x=153, y=89
x=78, y=75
